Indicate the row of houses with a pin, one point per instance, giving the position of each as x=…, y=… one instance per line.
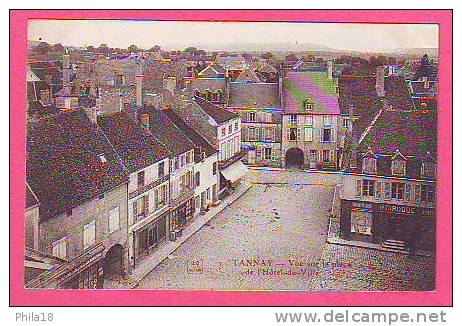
x=105, y=191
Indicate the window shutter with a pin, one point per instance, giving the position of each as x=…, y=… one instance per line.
x=321, y=135
x=332, y=156
x=358, y=187
x=135, y=209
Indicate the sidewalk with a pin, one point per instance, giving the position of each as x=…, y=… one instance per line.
x=333, y=234
x=149, y=263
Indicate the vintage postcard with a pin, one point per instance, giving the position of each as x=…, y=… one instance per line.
x=280, y=156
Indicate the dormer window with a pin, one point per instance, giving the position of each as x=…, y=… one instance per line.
x=370, y=162
x=308, y=104
x=102, y=158
x=398, y=164
x=428, y=170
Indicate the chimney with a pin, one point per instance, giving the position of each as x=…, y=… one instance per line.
x=380, y=81
x=354, y=153
x=145, y=122
x=330, y=69
x=139, y=88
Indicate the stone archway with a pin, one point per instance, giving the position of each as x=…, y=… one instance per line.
x=294, y=157
x=113, y=263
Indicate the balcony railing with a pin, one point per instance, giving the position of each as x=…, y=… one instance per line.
x=148, y=186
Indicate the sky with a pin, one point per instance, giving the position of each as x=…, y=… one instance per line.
x=215, y=35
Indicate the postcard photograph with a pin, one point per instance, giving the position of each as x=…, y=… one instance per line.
x=231, y=156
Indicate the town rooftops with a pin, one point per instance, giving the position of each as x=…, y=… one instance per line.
x=359, y=92
x=411, y=133
x=397, y=93
x=219, y=114
x=137, y=149
x=69, y=161
x=166, y=132
x=254, y=95
x=200, y=142
x=313, y=86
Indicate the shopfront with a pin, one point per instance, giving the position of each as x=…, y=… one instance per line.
x=180, y=215
x=147, y=236
x=380, y=222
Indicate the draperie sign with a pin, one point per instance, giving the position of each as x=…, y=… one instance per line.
x=395, y=209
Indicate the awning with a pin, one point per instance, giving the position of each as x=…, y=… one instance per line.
x=235, y=171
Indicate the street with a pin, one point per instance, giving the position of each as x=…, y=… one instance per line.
x=273, y=238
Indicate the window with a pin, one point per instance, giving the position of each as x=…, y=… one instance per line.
x=198, y=179
x=427, y=194
x=208, y=194
x=326, y=135
x=429, y=170
x=102, y=158
x=114, y=220
x=252, y=117
x=369, y=165
x=140, y=179
x=267, y=153
x=387, y=190
x=252, y=133
x=89, y=234
x=161, y=196
x=378, y=190
x=308, y=133
x=60, y=248
x=309, y=120
x=326, y=156
x=313, y=156
x=398, y=167
x=361, y=222
x=230, y=129
x=215, y=168
x=308, y=105
x=368, y=188
x=327, y=119
x=268, y=134
x=236, y=126
x=359, y=185
x=407, y=192
x=345, y=122
x=161, y=170
x=294, y=134
x=223, y=131
x=293, y=119
x=417, y=193
x=397, y=190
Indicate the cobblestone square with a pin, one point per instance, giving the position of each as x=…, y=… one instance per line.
x=274, y=238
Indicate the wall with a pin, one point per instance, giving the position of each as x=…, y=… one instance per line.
x=229, y=143
x=207, y=178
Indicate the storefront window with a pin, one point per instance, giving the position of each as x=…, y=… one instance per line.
x=361, y=222
x=378, y=189
x=427, y=194
x=407, y=192
x=387, y=190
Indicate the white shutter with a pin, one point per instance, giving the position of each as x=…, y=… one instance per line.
x=89, y=234
x=114, y=220
x=358, y=187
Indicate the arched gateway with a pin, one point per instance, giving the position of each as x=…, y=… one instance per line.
x=294, y=157
x=113, y=263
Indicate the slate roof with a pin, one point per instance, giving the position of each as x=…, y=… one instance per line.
x=34, y=88
x=166, y=132
x=199, y=141
x=63, y=166
x=254, y=95
x=358, y=91
x=298, y=86
x=219, y=114
x=31, y=200
x=136, y=148
x=397, y=93
x=425, y=103
x=37, y=110
x=213, y=84
x=417, y=87
x=413, y=133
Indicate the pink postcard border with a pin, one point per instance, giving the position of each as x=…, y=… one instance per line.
x=442, y=296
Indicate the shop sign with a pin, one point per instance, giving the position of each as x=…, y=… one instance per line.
x=397, y=209
x=361, y=205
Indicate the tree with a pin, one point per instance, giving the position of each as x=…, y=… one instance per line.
x=308, y=58
x=191, y=50
x=42, y=48
x=58, y=48
x=103, y=48
x=425, y=68
x=155, y=48
x=266, y=55
x=291, y=57
x=132, y=48
x=91, y=48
